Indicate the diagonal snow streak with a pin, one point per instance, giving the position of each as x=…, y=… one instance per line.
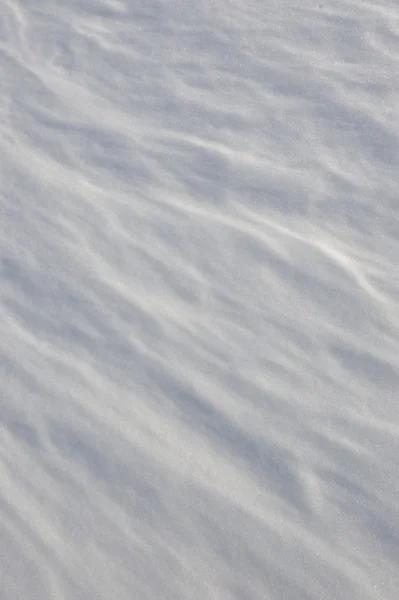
x=199, y=329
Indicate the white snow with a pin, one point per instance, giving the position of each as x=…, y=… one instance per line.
x=199, y=324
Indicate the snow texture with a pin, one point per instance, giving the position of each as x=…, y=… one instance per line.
x=199, y=324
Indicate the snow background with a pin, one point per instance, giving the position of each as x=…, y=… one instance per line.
x=199, y=325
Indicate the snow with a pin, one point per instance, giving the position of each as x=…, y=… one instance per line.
x=199, y=325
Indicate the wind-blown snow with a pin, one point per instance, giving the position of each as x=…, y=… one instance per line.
x=199, y=324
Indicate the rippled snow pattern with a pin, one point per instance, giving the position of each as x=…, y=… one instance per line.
x=199, y=325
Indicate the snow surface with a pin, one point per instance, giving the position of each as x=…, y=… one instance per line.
x=199, y=325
